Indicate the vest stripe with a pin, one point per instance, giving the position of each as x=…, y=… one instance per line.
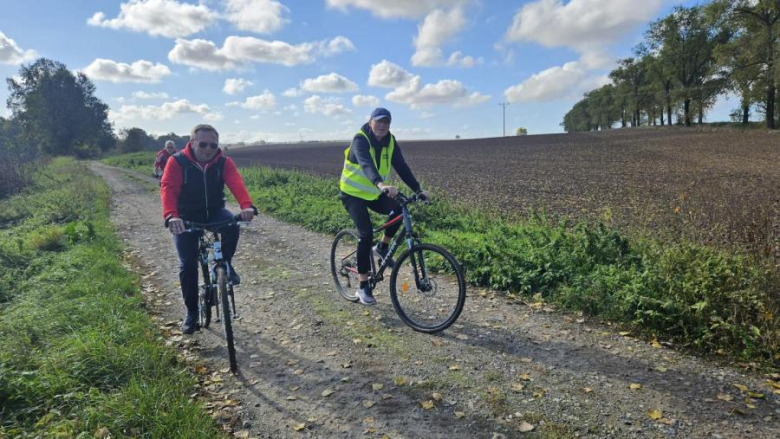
x=355, y=182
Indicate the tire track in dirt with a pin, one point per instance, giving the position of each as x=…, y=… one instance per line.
x=297, y=339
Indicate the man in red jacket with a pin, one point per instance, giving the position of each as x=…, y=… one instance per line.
x=192, y=189
x=162, y=156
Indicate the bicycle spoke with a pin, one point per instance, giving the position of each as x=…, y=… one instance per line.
x=427, y=288
x=343, y=264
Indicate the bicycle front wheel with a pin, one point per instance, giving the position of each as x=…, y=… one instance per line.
x=427, y=288
x=224, y=298
x=343, y=264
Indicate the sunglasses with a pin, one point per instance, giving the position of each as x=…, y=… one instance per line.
x=205, y=145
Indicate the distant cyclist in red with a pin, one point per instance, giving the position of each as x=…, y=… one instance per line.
x=192, y=189
x=162, y=158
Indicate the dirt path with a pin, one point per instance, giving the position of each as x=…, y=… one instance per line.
x=502, y=367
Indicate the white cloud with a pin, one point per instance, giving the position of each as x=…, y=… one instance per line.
x=214, y=117
x=389, y=75
x=167, y=18
x=166, y=111
x=260, y=16
x=408, y=88
x=145, y=95
x=444, y=92
x=365, y=101
x=438, y=27
x=327, y=106
x=559, y=82
x=292, y=92
x=580, y=24
x=139, y=71
x=236, y=85
x=396, y=8
x=12, y=54
x=239, y=50
x=330, y=83
x=468, y=61
x=265, y=101
x=337, y=45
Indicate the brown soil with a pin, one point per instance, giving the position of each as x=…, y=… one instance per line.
x=503, y=364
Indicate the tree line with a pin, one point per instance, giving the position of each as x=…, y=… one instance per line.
x=685, y=62
x=55, y=112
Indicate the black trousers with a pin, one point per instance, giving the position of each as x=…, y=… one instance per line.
x=187, y=247
x=358, y=210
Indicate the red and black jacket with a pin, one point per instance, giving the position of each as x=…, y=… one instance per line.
x=194, y=191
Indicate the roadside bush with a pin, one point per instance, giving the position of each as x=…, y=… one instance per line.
x=49, y=238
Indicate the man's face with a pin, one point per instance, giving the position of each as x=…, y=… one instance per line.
x=170, y=148
x=380, y=127
x=202, y=145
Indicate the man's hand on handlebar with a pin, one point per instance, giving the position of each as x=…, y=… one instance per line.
x=176, y=226
x=391, y=191
x=424, y=195
x=248, y=214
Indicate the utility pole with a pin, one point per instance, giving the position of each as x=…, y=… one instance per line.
x=504, y=105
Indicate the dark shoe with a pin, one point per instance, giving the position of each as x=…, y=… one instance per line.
x=366, y=296
x=189, y=325
x=382, y=253
x=234, y=277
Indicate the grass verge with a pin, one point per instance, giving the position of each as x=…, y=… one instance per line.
x=79, y=356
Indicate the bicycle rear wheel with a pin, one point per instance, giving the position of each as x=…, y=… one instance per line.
x=343, y=264
x=427, y=288
x=227, y=323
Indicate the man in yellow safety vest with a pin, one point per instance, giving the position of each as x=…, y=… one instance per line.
x=367, y=164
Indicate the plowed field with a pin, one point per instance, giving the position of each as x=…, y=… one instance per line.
x=720, y=186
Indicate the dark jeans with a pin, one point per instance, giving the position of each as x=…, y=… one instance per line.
x=187, y=247
x=358, y=210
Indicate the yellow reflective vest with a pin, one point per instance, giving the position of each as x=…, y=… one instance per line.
x=354, y=181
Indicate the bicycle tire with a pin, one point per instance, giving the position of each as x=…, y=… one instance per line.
x=204, y=298
x=343, y=260
x=439, y=262
x=226, y=316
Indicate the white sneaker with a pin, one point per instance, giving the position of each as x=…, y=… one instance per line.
x=366, y=296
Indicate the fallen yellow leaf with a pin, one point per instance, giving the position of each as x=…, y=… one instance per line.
x=460, y=415
x=524, y=377
x=655, y=344
x=357, y=341
x=587, y=389
x=454, y=367
x=368, y=420
x=427, y=405
x=201, y=370
x=743, y=388
x=291, y=398
x=773, y=384
x=725, y=397
x=299, y=427
x=635, y=386
x=539, y=393
x=368, y=404
x=298, y=371
x=625, y=333
x=437, y=396
x=517, y=387
x=525, y=427
x=378, y=386
x=400, y=381
x=655, y=414
x=756, y=395
x=661, y=369
x=327, y=392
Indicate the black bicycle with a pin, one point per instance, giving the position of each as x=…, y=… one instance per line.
x=427, y=286
x=217, y=288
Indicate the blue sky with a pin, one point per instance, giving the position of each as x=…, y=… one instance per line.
x=314, y=69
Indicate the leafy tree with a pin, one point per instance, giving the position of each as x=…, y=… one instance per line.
x=179, y=141
x=57, y=110
x=760, y=20
x=632, y=75
x=136, y=139
x=521, y=132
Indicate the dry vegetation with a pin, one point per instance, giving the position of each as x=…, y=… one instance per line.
x=715, y=186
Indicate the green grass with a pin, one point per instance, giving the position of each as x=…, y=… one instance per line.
x=707, y=299
x=138, y=161
x=77, y=350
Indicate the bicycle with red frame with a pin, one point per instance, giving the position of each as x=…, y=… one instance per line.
x=427, y=286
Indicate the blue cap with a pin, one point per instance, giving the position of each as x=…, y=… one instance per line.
x=381, y=113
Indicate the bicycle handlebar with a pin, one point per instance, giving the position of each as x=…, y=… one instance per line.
x=404, y=200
